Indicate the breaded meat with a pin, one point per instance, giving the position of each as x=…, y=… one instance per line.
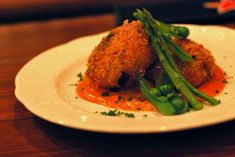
x=198, y=72
x=122, y=53
x=202, y=69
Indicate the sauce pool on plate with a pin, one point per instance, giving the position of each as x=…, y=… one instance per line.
x=132, y=99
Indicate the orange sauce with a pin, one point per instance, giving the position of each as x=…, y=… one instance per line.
x=132, y=99
x=216, y=84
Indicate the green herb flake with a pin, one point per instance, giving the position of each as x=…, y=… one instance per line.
x=110, y=113
x=118, y=113
x=80, y=77
x=105, y=94
x=120, y=98
x=130, y=98
x=129, y=115
x=145, y=115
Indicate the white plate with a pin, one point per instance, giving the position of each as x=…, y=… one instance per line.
x=42, y=85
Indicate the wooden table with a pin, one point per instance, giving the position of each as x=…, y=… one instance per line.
x=23, y=134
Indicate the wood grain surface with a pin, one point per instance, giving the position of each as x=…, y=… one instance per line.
x=23, y=134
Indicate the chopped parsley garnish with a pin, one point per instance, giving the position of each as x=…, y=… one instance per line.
x=105, y=94
x=79, y=75
x=120, y=97
x=129, y=115
x=110, y=113
x=117, y=113
x=145, y=115
x=130, y=98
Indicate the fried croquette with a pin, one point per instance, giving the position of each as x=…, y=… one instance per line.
x=125, y=51
x=198, y=72
x=202, y=69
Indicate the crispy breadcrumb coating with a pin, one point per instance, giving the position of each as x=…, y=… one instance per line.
x=123, y=52
x=202, y=69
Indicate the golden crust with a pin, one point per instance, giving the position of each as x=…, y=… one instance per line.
x=126, y=50
x=202, y=69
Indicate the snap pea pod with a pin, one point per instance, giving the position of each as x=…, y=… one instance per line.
x=162, y=103
x=163, y=106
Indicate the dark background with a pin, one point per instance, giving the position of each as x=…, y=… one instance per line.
x=188, y=11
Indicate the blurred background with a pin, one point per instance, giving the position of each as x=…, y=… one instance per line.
x=176, y=11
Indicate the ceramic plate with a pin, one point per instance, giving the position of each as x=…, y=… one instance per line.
x=43, y=86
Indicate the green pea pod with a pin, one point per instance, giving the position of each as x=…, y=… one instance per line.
x=163, y=105
x=165, y=89
x=179, y=105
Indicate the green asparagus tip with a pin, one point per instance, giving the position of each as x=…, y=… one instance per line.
x=183, y=31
